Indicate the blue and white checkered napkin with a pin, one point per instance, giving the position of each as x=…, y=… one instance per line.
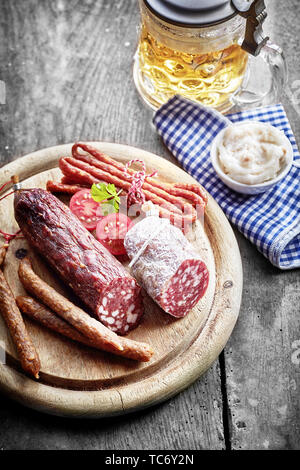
x=270, y=220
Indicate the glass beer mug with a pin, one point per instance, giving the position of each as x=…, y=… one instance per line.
x=210, y=51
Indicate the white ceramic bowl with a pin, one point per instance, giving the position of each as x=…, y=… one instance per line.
x=251, y=189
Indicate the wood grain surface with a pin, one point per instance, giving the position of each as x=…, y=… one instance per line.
x=67, y=65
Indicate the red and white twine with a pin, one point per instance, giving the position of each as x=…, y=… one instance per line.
x=8, y=236
x=135, y=193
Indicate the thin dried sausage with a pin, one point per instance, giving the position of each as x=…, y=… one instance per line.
x=27, y=353
x=55, y=187
x=38, y=312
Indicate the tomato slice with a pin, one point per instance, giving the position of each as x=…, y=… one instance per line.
x=111, y=231
x=85, y=208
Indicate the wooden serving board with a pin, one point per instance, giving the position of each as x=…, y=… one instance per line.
x=78, y=381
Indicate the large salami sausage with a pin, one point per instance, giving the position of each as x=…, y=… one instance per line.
x=166, y=265
x=82, y=262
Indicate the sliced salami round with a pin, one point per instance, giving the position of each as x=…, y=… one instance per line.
x=164, y=262
x=121, y=305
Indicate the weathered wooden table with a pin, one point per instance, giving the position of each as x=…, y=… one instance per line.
x=67, y=67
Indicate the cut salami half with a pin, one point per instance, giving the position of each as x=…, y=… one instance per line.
x=82, y=262
x=166, y=265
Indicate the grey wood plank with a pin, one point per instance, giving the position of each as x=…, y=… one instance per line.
x=262, y=359
x=262, y=356
x=191, y=420
x=67, y=66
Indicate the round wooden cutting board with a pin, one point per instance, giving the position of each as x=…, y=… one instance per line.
x=82, y=382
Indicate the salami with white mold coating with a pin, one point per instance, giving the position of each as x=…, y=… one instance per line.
x=167, y=266
x=98, y=278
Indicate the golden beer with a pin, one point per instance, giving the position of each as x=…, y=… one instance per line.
x=210, y=51
x=209, y=78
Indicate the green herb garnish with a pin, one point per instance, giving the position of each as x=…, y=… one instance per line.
x=108, y=196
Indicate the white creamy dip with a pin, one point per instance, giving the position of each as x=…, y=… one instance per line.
x=252, y=153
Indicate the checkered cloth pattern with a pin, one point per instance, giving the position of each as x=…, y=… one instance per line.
x=270, y=220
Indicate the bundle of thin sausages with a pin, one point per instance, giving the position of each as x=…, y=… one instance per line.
x=180, y=203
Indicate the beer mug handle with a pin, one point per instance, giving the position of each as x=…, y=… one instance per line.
x=273, y=56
